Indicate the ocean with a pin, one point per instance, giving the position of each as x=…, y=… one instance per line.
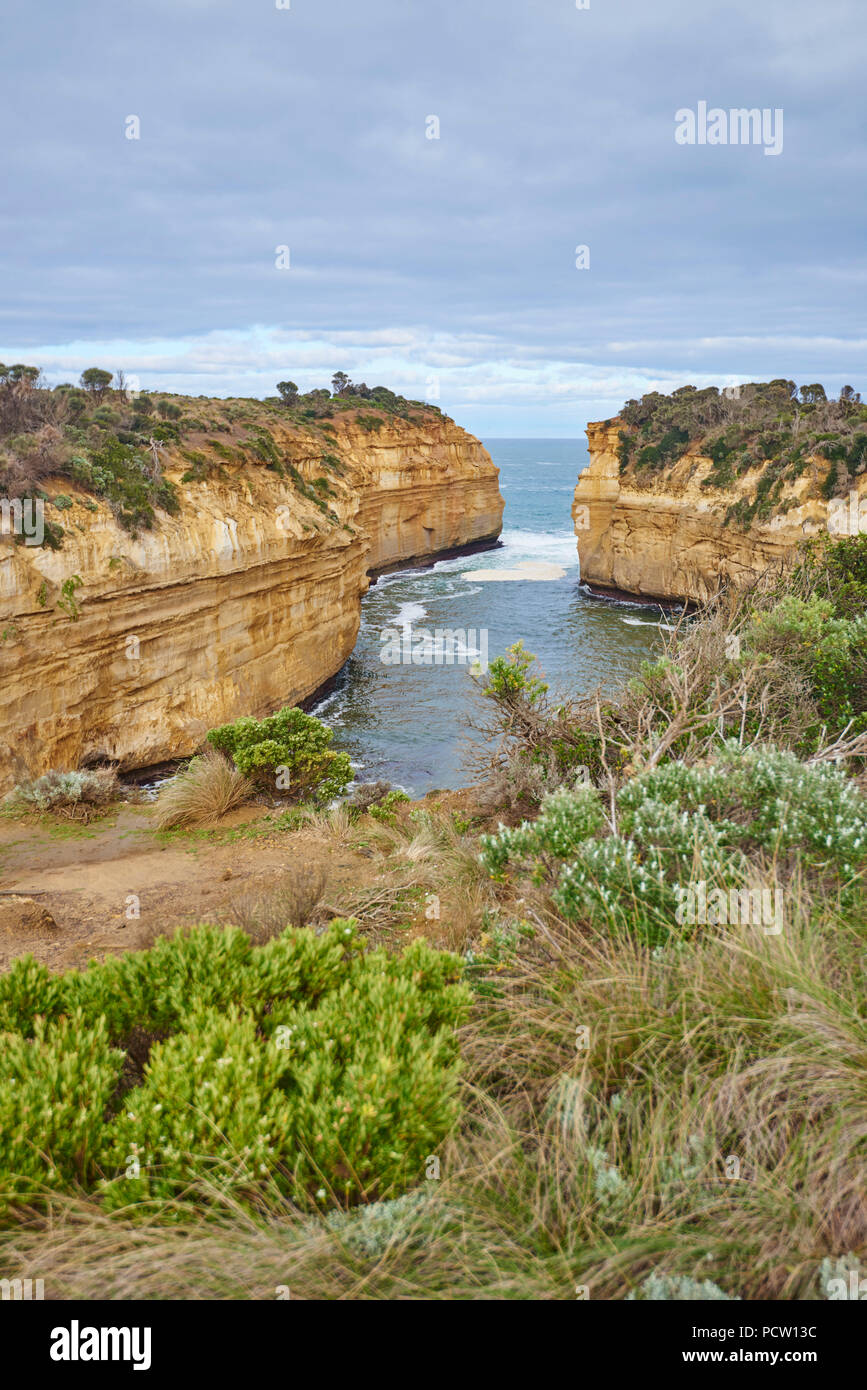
x=407, y=723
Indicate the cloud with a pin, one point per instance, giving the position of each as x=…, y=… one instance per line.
x=307, y=127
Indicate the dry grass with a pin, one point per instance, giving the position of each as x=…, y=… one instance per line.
x=336, y=822
x=428, y=867
x=575, y=1165
x=208, y=788
x=291, y=901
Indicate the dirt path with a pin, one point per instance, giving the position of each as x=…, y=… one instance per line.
x=93, y=880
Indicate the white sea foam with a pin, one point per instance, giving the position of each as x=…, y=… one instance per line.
x=647, y=622
x=409, y=613
x=331, y=704
x=385, y=581
x=552, y=548
x=520, y=547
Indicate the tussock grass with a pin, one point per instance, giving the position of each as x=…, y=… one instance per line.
x=335, y=822
x=206, y=790
x=423, y=855
x=291, y=900
x=591, y=1165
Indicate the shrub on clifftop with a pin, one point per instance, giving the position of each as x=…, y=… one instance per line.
x=288, y=751
x=308, y=1067
x=75, y=795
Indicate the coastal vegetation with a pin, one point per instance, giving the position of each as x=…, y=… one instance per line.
x=305, y=1066
x=772, y=430
x=594, y=1029
x=77, y=795
x=119, y=444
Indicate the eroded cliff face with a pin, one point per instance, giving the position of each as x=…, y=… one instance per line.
x=247, y=600
x=662, y=535
x=423, y=491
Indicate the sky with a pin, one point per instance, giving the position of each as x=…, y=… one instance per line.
x=430, y=171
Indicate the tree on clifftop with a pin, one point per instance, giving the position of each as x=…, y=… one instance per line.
x=813, y=393
x=288, y=392
x=340, y=384
x=96, y=380
x=19, y=372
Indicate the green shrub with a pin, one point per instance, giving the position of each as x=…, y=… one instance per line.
x=298, y=966
x=760, y=798
x=123, y=477
x=374, y=1082
x=509, y=678
x=384, y=810
x=28, y=991
x=649, y=456
x=289, y=750
x=165, y=433
x=839, y=567
x=210, y=1106
x=303, y=1065
x=54, y=1089
x=67, y=602
x=74, y=794
x=565, y=821
x=831, y=652
x=154, y=991
x=680, y=823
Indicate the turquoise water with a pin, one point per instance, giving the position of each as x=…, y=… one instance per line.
x=406, y=723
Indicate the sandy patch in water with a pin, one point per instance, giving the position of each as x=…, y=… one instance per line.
x=527, y=569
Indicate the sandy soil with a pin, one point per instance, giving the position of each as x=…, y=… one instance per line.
x=85, y=877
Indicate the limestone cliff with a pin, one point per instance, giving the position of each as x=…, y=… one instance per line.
x=660, y=534
x=246, y=600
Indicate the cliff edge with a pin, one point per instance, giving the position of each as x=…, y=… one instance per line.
x=676, y=511
x=128, y=642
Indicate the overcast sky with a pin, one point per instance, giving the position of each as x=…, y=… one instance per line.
x=426, y=264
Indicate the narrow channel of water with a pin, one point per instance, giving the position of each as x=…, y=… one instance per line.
x=406, y=722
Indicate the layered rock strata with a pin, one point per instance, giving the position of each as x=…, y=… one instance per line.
x=248, y=599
